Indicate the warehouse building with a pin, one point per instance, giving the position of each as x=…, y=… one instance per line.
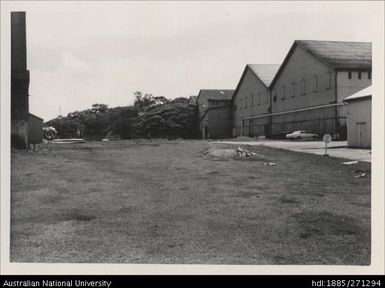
x=308, y=90
x=214, y=112
x=359, y=120
x=251, y=101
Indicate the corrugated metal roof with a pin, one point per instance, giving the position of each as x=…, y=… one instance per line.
x=30, y=114
x=214, y=94
x=265, y=72
x=366, y=92
x=340, y=55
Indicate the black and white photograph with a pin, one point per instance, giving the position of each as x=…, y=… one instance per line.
x=226, y=134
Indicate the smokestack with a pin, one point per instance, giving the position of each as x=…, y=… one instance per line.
x=19, y=82
x=18, y=42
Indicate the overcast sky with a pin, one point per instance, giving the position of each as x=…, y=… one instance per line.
x=98, y=52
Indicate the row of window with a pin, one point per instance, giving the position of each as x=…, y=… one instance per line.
x=303, y=87
x=296, y=88
x=309, y=85
x=359, y=75
x=251, y=100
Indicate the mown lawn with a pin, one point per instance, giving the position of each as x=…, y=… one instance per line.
x=167, y=202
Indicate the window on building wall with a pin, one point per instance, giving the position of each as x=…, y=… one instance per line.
x=350, y=74
x=292, y=89
x=240, y=104
x=359, y=75
x=303, y=86
x=267, y=97
x=245, y=102
x=283, y=92
x=369, y=75
x=315, y=80
x=329, y=81
x=259, y=98
x=252, y=100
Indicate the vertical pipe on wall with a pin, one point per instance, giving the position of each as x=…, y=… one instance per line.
x=336, y=124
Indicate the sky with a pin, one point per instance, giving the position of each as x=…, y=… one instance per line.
x=82, y=53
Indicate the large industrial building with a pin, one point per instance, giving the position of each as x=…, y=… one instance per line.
x=305, y=92
x=308, y=90
x=251, y=100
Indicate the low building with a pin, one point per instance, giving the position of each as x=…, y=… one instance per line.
x=359, y=118
x=214, y=111
x=35, y=129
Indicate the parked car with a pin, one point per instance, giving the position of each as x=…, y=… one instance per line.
x=301, y=134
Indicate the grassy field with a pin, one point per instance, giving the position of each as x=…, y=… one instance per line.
x=167, y=202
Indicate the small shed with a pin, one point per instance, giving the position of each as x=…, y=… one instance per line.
x=35, y=129
x=359, y=118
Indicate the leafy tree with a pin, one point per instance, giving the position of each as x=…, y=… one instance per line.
x=180, y=100
x=155, y=115
x=99, y=108
x=172, y=120
x=148, y=101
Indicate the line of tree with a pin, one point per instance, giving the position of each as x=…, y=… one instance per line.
x=149, y=116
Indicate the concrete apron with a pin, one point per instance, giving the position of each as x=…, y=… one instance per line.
x=335, y=149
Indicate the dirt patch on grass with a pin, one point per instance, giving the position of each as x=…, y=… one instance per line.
x=74, y=215
x=244, y=194
x=326, y=223
x=127, y=210
x=220, y=152
x=289, y=200
x=51, y=199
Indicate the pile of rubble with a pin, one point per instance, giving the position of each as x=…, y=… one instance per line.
x=228, y=152
x=243, y=152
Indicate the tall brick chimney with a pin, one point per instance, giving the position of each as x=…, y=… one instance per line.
x=19, y=82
